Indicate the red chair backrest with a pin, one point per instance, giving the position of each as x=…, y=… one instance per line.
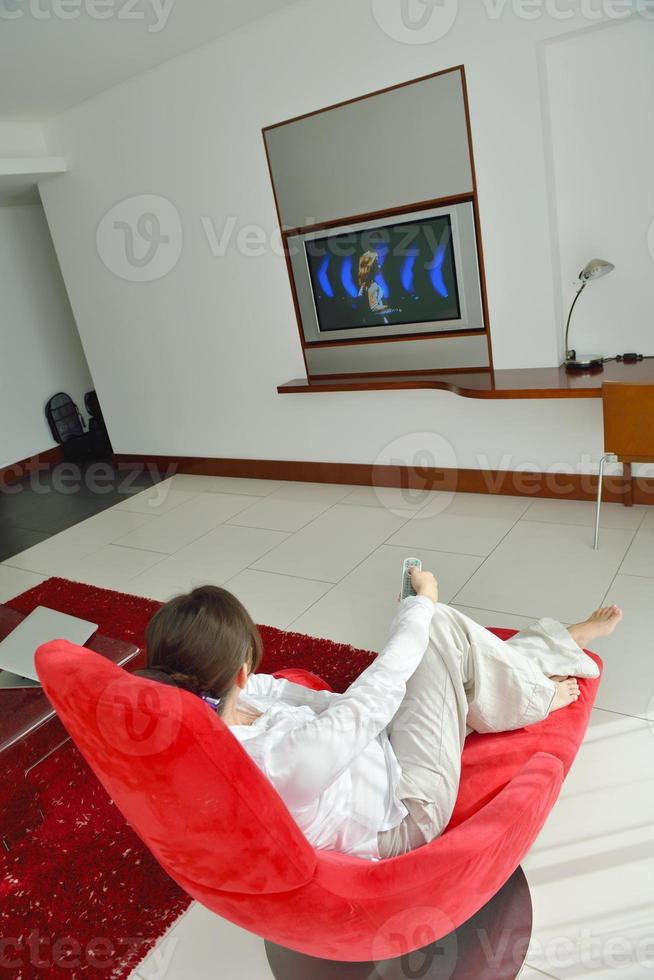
x=179, y=776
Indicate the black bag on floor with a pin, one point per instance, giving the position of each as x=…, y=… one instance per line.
x=67, y=428
x=63, y=418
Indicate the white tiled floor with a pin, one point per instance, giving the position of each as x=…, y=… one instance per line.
x=325, y=560
x=14, y=580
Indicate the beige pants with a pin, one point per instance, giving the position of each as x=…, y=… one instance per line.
x=468, y=680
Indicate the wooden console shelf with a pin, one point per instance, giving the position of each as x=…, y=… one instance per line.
x=519, y=383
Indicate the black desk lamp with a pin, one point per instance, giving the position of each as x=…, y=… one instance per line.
x=594, y=269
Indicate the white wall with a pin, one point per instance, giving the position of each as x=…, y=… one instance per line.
x=21, y=139
x=600, y=86
x=40, y=349
x=189, y=363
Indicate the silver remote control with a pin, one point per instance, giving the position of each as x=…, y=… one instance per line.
x=407, y=587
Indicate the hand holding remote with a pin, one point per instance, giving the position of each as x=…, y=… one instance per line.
x=424, y=583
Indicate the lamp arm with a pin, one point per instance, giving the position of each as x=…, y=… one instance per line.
x=567, y=326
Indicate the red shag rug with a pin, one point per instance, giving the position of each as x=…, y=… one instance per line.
x=80, y=895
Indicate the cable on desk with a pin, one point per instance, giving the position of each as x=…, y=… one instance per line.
x=629, y=358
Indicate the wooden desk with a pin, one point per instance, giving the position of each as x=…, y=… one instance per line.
x=553, y=382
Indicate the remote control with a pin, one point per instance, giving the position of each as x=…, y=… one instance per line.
x=407, y=588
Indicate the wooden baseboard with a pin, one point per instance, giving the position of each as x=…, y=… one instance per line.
x=16, y=471
x=564, y=486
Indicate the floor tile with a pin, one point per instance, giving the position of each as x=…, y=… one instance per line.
x=329, y=547
x=204, y=946
x=360, y=608
x=547, y=570
x=583, y=512
x=222, y=484
x=14, y=539
x=111, y=567
x=332, y=493
x=13, y=581
x=393, y=498
x=53, y=513
x=50, y=556
x=157, y=500
x=628, y=681
x=478, y=505
x=275, y=600
x=109, y=526
x=591, y=869
x=281, y=514
x=63, y=549
x=639, y=560
x=465, y=524
x=213, y=558
x=186, y=522
x=486, y=617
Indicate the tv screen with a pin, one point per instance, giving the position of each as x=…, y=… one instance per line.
x=398, y=273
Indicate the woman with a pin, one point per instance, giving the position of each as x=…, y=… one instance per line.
x=373, y=771
x=369, y=266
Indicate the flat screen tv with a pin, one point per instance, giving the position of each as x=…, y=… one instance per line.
x=396, y=273
x=415, y=273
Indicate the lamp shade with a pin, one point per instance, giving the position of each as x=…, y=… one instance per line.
x=595, y=269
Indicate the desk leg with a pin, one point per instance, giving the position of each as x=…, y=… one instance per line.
x=627, y=485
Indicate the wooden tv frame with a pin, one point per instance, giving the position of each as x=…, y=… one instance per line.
x=471, y=197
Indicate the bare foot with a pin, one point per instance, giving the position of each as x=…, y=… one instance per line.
x=601, y=623
x=567, y=693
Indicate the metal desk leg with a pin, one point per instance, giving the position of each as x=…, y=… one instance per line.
x=605, y=459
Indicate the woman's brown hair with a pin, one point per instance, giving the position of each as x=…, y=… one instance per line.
x=199, y=642
x=368, y=268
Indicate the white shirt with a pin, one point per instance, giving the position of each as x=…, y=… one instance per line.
x=375, y=295
x=327, y=754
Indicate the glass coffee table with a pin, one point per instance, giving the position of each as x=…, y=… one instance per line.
x=29, y=732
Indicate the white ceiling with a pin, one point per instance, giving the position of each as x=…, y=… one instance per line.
x=48, y=63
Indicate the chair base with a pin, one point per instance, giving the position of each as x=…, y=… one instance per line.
x=492, y=945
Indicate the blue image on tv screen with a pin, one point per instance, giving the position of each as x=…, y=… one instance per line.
x=392, y=274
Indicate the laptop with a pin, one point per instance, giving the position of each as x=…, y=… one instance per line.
x=40, y=626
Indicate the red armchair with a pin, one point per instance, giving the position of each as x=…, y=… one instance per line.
x=221, y=831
